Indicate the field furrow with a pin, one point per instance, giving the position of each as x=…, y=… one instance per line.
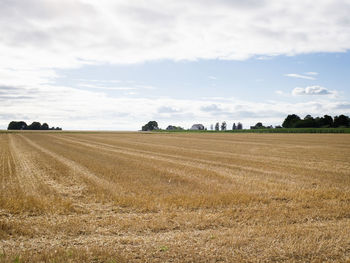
x=273, y=173
x=25, y=170
x=77, y=169
x=148, y=197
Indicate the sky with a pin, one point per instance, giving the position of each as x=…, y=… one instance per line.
x=115, y=65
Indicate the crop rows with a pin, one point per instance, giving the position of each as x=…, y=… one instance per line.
x=179, y=197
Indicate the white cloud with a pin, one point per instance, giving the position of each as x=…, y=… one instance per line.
x=92, y=86
x=279, y=92
x=167, y=109
x=79, y=109
x=39, y=37
x=98, y=81
x=69, y=33
x=312, y=90
x=299, y=76
x=211, y=108
x=312, y=73
x=132, y=93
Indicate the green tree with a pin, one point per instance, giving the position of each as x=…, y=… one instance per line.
x=150, y=126
x=326, y=121
x=217, y=126
x=291, y=121
x=259, y=125
x=341, y=121
x=34, y=126
x=17, y=125
x=45, y=126
x=307, y=122
x=223, y=126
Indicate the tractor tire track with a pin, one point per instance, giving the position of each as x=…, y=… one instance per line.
x=25, y=172
x=275, y=176
x=288, y=163
x=34, y=180
x=78, y=169
x=176, y=170
x=220, y=169
x=172, y=159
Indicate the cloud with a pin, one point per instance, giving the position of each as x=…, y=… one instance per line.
x=166, y=109
x=212, y=78
x=312, y=90
x=4, y=88
x=98, y=80
x=112, y=86
x=299, y=76
x=92, y=86
x=39, y=38
x=38, y=34
x=312, y=73
x=211, y=108
x=81, y=109
x=282, y=93
x=343, y=106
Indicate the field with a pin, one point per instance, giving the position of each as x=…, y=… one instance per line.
x=178, y=197
x=272, y=130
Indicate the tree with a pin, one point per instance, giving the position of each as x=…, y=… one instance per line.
x=291, y=121
x=259, y=125
x=34, y=126
x=341, y=121
x=234, y=126
x=45, y=126
x=211, y=127
x=21, y=125
x=326, y=121
x=223, y=126
x=217, y=125
x=239, y=126
x=172, y=128
x=307, y=122
x=17, y=125
x=150, y=126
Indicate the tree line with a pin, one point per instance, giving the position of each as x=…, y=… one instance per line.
x=291, y=121
x=153, y=125
x=223, y=126
x=21, y=125
x=294, y=121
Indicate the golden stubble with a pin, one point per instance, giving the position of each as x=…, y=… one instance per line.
x=157, y=197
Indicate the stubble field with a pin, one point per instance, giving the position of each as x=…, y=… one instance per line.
x=151, y=197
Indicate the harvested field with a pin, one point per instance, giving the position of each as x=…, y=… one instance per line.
x=179, y=197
